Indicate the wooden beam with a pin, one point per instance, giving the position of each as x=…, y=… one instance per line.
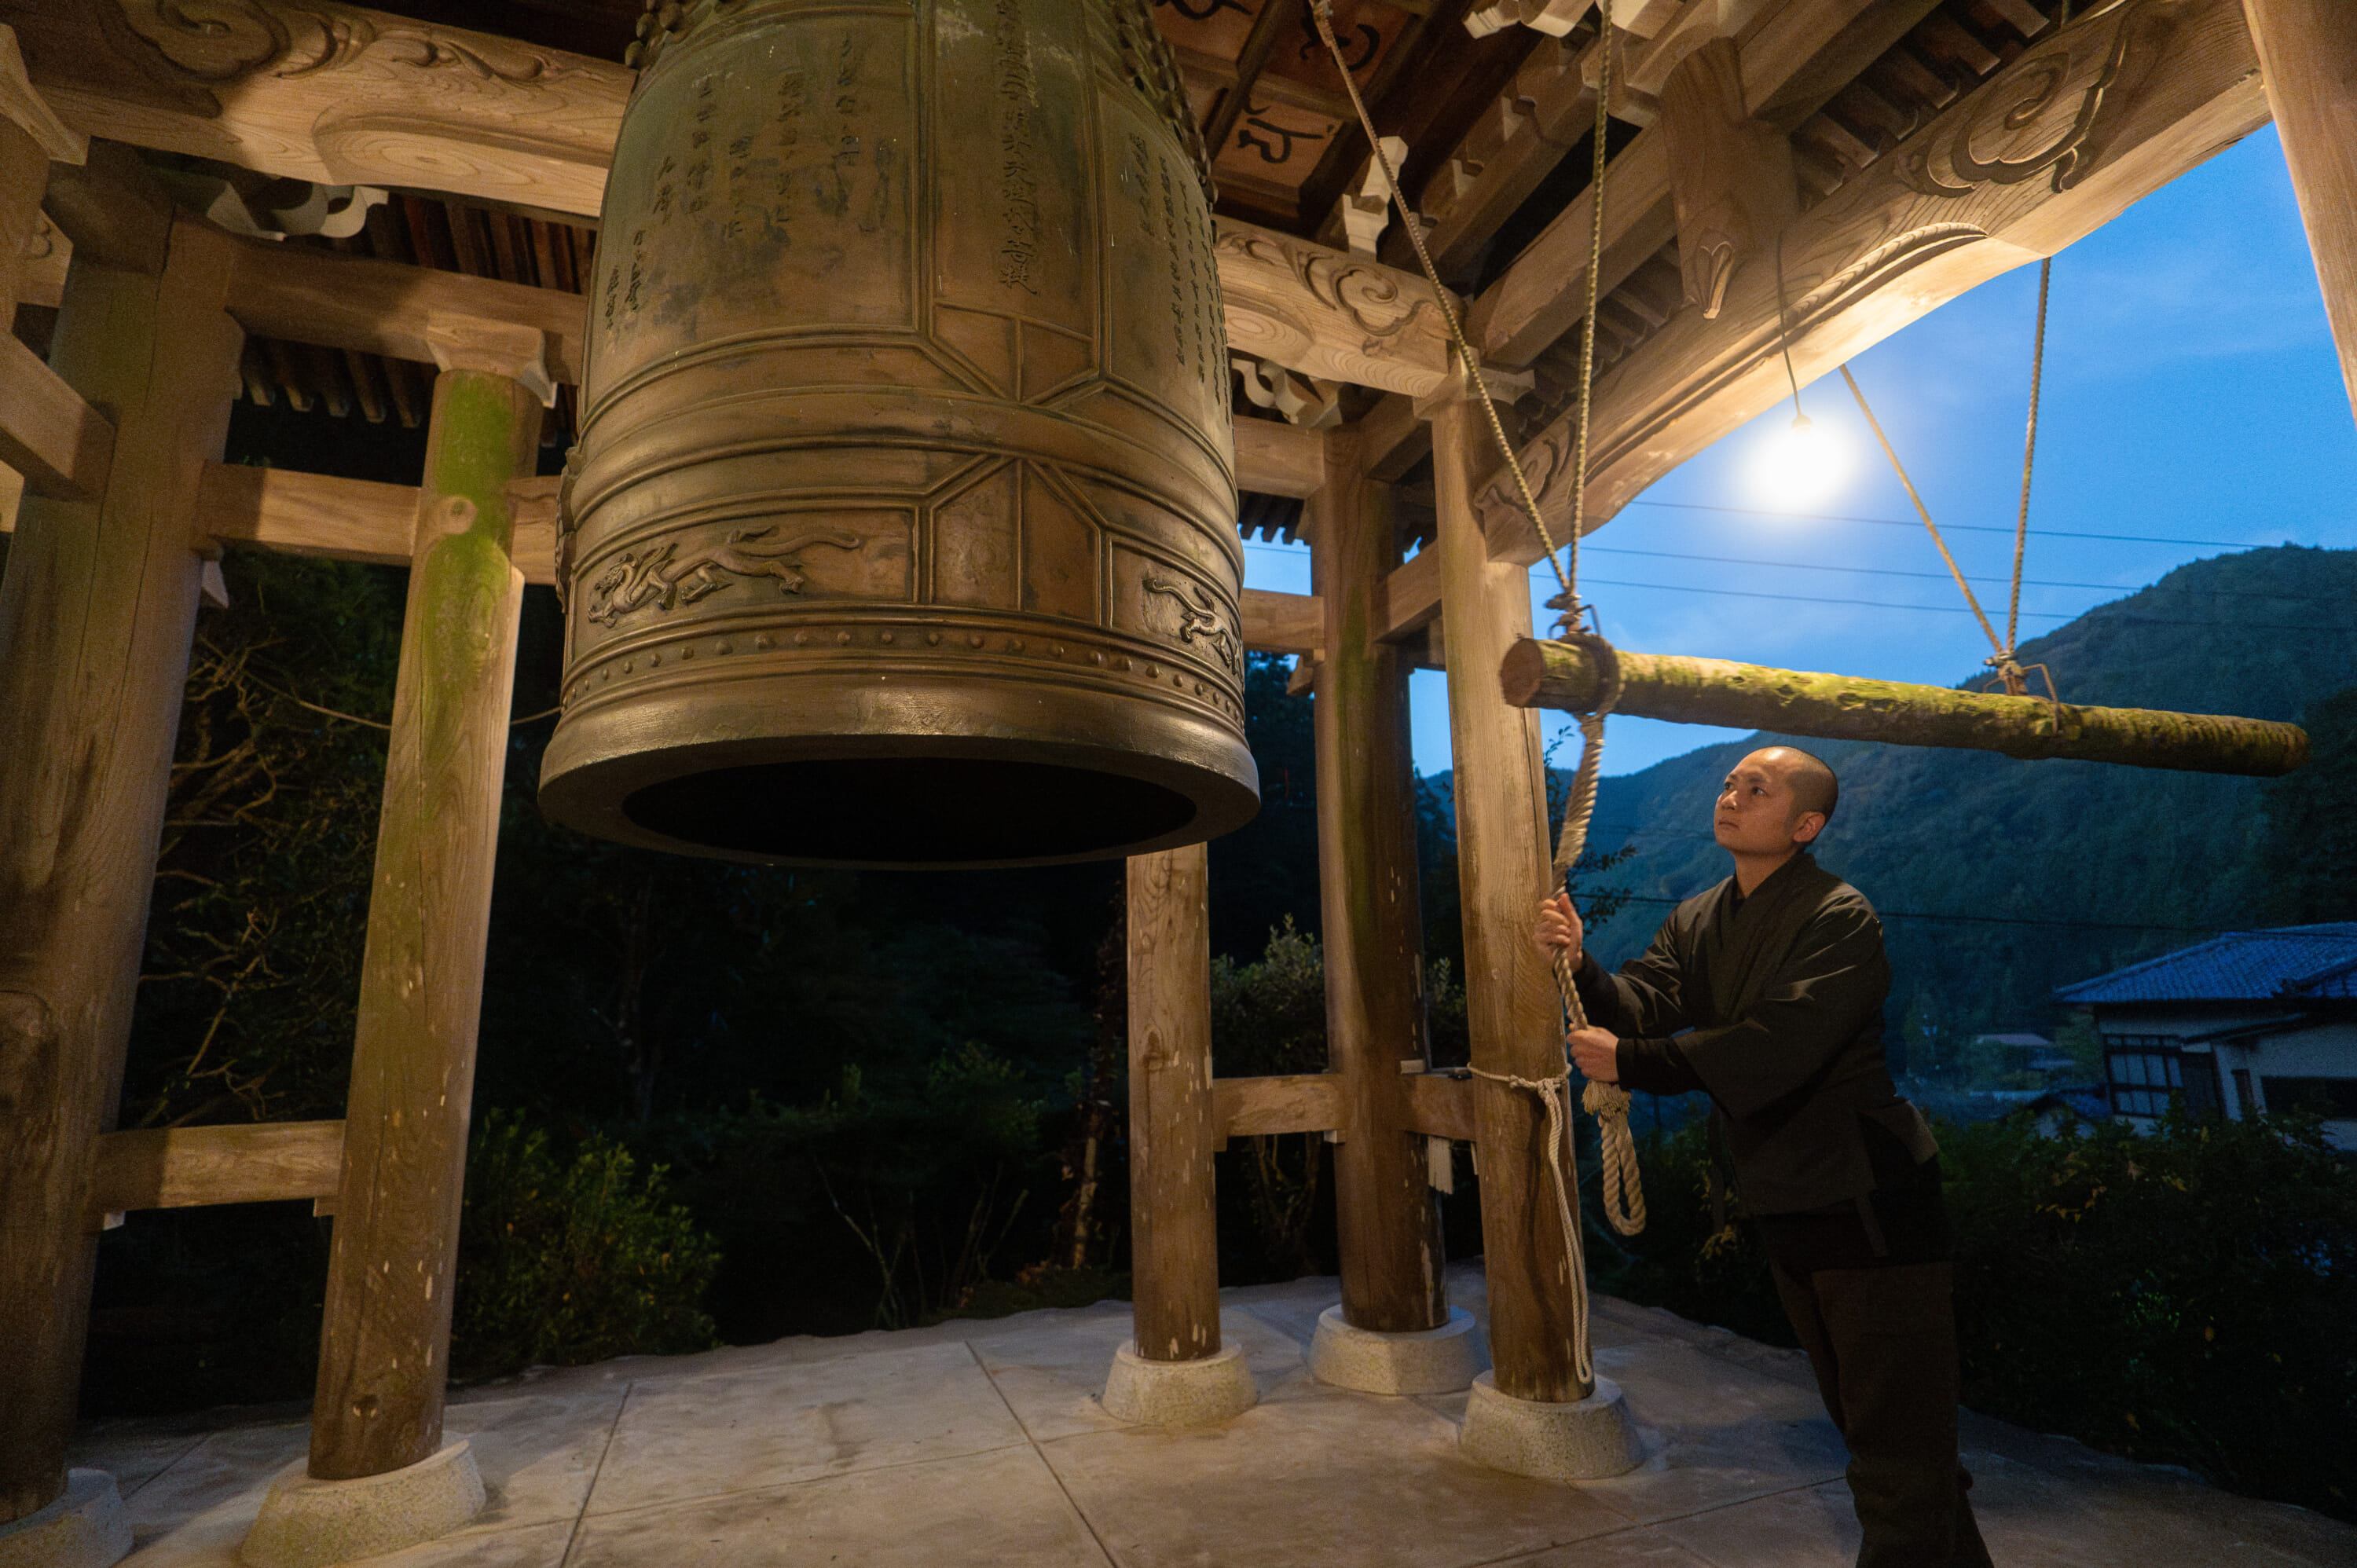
x=1283, y=623
x=188, y=1168
x=1173, y=1125
x=22, y=107
x=1440, y=1106
x=1512, y=1011
x=97, y=610
x=2309, y=50
x=1411, y=596
x=1541, y=296
x=339, y=94
x=1328, y=313
x=1387, y=1226
x=60, y=443
x=1273, y=459
x=384, y=1353
x=1542, y=113
x=353, y=519
x=2127, y=99
x=1296, y=1102
x=304, y=295
x=1397, y=440
x=1544, y=294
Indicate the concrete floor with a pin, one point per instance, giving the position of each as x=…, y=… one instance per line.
x=982, y=1443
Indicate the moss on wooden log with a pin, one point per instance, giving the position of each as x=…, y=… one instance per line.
x=1540, y=674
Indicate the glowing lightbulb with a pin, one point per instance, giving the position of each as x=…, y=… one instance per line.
x=1800, y=468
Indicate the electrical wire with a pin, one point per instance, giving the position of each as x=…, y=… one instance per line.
x=1953, y=527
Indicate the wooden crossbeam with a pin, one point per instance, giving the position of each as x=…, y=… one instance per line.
x=304, y=295
x=59, y=442
x=1296, y=1102
x=1439, y=1106
x=1547, y=674
x=1273, y=459
x=188, y=1168
x=340, y=94
x=1282, y=623
x=351, y=520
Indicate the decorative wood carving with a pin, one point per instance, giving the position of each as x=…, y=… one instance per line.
x=1329, y=314
x=1730, y=176
x=316, y=89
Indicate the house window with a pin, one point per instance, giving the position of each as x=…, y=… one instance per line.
x=2336, y=1097
x=2145, y=1071
x=2244, y=1095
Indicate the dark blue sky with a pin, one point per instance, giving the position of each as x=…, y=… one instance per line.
x=2192, y=395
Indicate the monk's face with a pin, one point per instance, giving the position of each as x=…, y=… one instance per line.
x=1757, y=812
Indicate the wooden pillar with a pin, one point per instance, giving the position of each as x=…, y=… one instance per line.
x=96, y=617
x=1511, y=1010
x=384, y=1345
x=1173, y=1223
x=2308, y=56
x=1389, y=1227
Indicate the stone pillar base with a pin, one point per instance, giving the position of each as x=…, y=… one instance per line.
x=1429, y=1361
x=85, y=1527
x=1585, y=1440
x=1179, y=1393
x=308, y=1523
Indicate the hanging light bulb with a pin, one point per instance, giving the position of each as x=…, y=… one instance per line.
x=1799, y=467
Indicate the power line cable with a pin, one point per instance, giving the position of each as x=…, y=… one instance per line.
x=1952, y=528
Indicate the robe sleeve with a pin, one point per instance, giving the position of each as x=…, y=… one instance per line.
x=1647, y=997
x=1830, y=984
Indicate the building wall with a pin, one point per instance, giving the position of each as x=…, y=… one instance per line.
x=2294, y=1052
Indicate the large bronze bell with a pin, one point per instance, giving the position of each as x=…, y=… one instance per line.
x=901, y=531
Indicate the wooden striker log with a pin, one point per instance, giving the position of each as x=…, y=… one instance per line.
x=385, y=1337
x=1537, y=674
x=1174, y=1228
x=1387, y=1224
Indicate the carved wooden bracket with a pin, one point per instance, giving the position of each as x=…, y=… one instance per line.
x=1730, y=176
x=1329, y=314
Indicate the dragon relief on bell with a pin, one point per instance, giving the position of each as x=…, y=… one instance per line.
x=639, y=579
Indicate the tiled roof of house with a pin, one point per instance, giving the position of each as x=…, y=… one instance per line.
x=2288, y=963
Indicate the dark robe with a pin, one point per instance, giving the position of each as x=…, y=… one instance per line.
x=1775, y=1003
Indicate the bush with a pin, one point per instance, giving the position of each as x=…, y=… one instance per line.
x=565, y=1263
x=2179, y=1297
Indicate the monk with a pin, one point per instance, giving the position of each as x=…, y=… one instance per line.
x=1766, y=992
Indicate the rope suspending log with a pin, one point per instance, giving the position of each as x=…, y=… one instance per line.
x=1545, y=674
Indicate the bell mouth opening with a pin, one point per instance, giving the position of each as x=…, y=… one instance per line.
x=906, y=810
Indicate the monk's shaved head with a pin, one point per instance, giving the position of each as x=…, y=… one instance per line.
x=1813, y=786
